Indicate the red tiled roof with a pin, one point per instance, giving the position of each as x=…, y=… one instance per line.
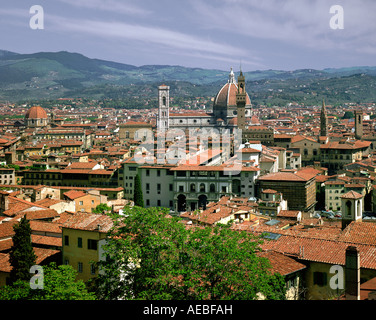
x=281, y=264
x=74, y=194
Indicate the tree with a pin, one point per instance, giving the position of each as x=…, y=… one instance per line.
x=150, y=255
x=102, y=208
x=348, y=115
x=137, y=195
x=59, y=283
x=21, y=256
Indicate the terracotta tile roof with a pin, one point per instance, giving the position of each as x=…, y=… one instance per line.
x=352, y=195
x=41, y=226
x=89, y=222
x=46, y=240
x=288, y=213
x=288, y=176
x=359, y=233
x=5, y=244
x=282, y=264
x=41, y=253
x=38, y=214
x=17, y=206
x=47, y=202
x=268, y=191
x=6, y=229
x=209, y=216
x=346, y=146
x=74, y=194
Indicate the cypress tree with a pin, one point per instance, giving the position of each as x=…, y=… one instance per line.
x=21, y=255
x=138, y=197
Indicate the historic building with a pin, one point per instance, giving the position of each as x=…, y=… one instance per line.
x=229, y=101
x=36, y=117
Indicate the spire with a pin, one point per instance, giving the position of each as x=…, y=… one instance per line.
x=323, y=121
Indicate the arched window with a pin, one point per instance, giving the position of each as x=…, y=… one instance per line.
x=212, y=187
x=164, y=100
x=193, y=187
x=202, y=187
x=348, y=208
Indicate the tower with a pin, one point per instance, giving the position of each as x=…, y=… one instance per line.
x=163, y=108
x=352, y=208
x=358, y=114
x=323, y=121
x=241, y=97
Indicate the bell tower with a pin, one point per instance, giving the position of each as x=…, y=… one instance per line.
x=163, y=119
x=358, y=114
x=241, y=97
x=323, y=121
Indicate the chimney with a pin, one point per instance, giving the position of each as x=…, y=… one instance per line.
x=352, y=274
x=4, y=201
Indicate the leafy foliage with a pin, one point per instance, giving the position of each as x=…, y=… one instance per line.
x=102, y=208
x=59, y=284
x=153, y=256
x=138, y=197
x=21, y=256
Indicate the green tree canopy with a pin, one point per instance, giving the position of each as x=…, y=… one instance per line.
x=150, y=255
x=138, y=197
x=102, y=208
x=59, y=283
x=348, y=115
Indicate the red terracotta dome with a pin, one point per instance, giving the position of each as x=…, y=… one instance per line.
x=36, y=112
x=227, y=94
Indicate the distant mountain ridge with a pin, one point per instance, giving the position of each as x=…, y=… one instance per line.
x=46, y=75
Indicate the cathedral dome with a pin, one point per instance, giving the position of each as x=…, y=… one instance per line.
x=226, y=96
x=36, y=112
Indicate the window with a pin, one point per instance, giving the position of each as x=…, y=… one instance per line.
x=171, y=186
x=158, y=203
x=92, y=244
x=147, y=186
x=158, y=173
x=92, y=269
x=147, y=202
x=66, y=240
x=158, y=187
x=319, y=278
x=80, y=267
x=81, y=203
x=147, y=172
x=79, y=242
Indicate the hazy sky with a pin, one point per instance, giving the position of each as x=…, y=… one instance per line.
x=260, y=34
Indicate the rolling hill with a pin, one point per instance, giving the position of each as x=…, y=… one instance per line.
x=50, y=75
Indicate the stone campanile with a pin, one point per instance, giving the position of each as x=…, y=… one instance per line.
x=358, y=114
x=163, y=120
x=323, y=121
x=241, y=97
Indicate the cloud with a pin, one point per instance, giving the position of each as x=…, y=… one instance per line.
x=297, y=22
x=164, y=38
x=120, y=7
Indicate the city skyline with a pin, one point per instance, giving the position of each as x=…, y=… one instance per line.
x=286, y=35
